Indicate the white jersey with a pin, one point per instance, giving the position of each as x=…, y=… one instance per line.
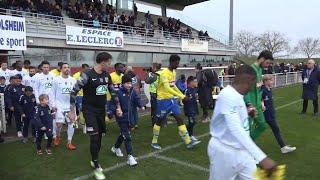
x=22, y=73
x=43, y=84
x=230, y=123
x=28, y=81
x=6, y=75
x=60, y=92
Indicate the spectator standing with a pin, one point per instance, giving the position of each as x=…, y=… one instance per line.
x=311, y=78
x=181, y=83
x=232, y=69
x=277, y=68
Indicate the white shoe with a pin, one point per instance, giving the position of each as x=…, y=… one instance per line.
x=132, y=160
x=287, y=149
x=117, y=151
x=193, y=138
x=19, y=133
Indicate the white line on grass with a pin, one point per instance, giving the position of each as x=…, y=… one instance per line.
x=186, y=164
x=154, y=153
x=139, y=158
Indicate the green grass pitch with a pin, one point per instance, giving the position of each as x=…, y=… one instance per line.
x=175, y=162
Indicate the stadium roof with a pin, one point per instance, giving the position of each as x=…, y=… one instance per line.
x=174, y=4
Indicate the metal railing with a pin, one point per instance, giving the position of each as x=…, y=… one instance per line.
x=279, y=79
x=48, y=26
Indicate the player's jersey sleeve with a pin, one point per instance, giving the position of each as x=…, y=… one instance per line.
x=170, y=86
x=231, y=112
x=112, y=91
x=36, y=87
x=81, y=82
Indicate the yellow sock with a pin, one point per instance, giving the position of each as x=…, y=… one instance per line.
x=156, y=132
x=81, y=118
x=184, y=134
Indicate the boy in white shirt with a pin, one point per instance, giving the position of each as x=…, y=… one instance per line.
x=5, y=72
x=60, y=102
x=43, y=81
x=231, y=151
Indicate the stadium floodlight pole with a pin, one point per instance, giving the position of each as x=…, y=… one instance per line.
x=231, y=23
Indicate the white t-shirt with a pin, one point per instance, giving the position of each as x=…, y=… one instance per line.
x=6, y=75
x=28, y=81
x=43, y=84
x=22, y=73
x=60, y=92
x=230, y=123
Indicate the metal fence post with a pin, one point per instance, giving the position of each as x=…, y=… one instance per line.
x=286, y=78
x=275, y=80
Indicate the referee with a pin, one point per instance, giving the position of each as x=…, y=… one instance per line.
x=95, y=82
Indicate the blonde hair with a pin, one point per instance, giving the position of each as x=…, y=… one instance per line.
x=43, y=96
x=267, y=77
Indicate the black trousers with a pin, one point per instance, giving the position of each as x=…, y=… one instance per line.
x=315, y=105
x=153, y=108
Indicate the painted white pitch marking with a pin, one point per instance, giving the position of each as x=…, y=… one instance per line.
x=138, y=158
x=152, y=154
x=186, y=164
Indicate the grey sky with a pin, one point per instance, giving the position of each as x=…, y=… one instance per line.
x=296, y=18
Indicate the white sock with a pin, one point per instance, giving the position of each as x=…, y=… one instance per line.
x=70, y=132
x=54, y=132
x=58, y=131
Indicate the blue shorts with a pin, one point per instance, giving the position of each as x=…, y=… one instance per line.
x=167, y=106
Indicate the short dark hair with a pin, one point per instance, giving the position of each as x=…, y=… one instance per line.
x=26, y=62
x=103, y=56
x=63, y=64
x=28, y=89
x=117, y=65
x=2, y=78
x=266, y=54
x=85, y=66
x=60, y=64
x=182, y=76
x=18, y=61
x=126, y=78
x=190, y=79
x=32, y=67
x=174, y=58
x=243, y=72
x=45, y=62
x=12, y=78
x=40, y=66
x=19, y=76
x=198, y=66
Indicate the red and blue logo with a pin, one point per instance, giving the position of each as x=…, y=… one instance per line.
x=118, y=41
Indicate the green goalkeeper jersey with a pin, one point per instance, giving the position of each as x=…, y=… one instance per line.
x=254, y=96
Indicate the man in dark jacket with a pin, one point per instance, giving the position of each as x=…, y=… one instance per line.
x=232, y=69
x=310, y=78
x=205, y=93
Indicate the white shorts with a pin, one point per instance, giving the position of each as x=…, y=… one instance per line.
x=60, y=117
x=229, y=163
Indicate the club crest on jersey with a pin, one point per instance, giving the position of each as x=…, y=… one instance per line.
x=66, y=90
x=22, y=89
x=42, y=113
x=33, y=100
x=233, y=110
x=65, y=83
x=101, y=80
x=267, y=98
x=101, y=90
x=106, y=79
x=47, y=85
x=51, y=78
